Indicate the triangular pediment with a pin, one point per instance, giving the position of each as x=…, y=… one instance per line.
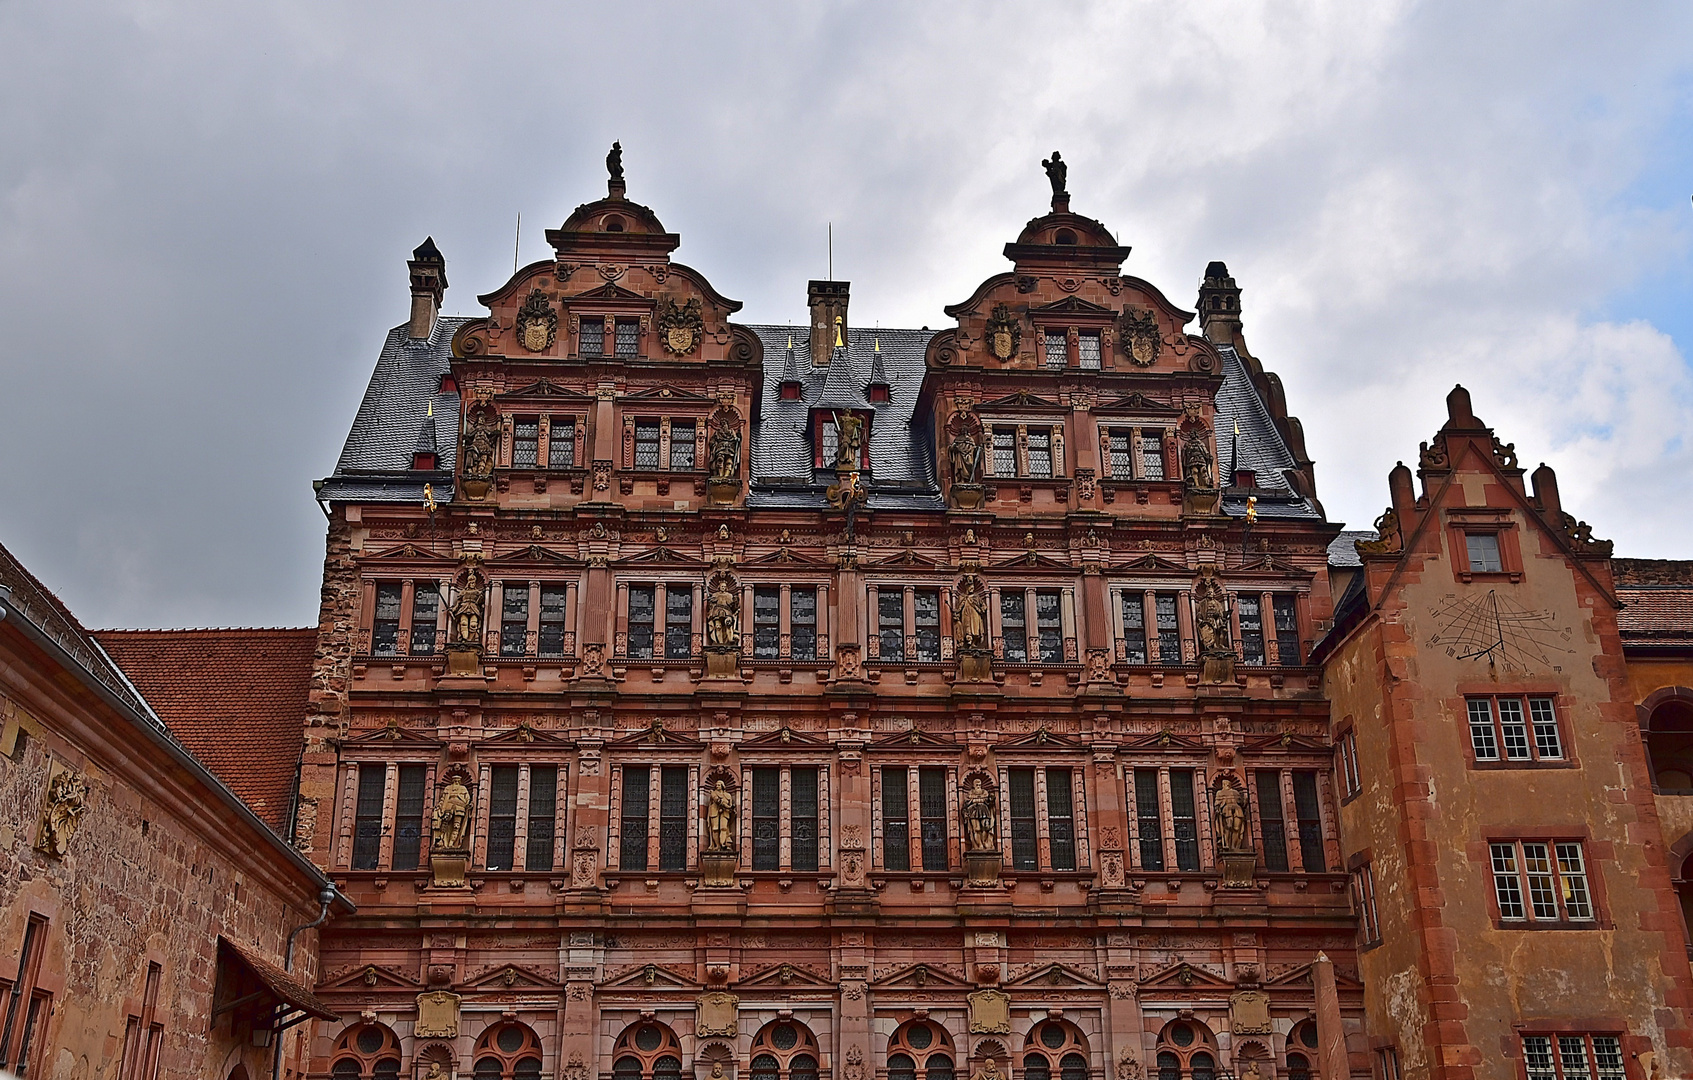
x=524, y=735
x=790, y=977
x=1039, y=739
x=1139, y=404
x=656, y=735
x=545, y=388
x=913, y=739
x=665, y=555
x=1168, y=740
x=1287, y=740
x=403, y=551
x=786, y=556
x=1300, y=975
x=1073, y=305
x=1186, y=976
x=651, y=977
x=786, y=738
x=370, y=977
x=1022, y=399
x=394, y=737
x=908, y=557
x=669, y=393
x=1154, y=562
x=1059, y=975
x=918, y=976
x=511, y=977
x=610, y=291
x=1031, y=559
x=534, y=553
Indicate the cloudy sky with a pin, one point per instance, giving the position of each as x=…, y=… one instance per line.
x=205, y=211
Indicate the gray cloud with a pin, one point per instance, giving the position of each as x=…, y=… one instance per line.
x=205, y=211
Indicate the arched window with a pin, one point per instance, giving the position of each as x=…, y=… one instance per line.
x=1169, y=1066
x=784, y=1050
x=508, y=1051
x=1187, y=1051
x=1669, y=745
x=920, y=1050
x=1055, y=1041
x=1298, y=1067
x=1036, y=1066
x=646, y=1050
x=1073, y=1067
x=366, y=1052
x=1202, y=1066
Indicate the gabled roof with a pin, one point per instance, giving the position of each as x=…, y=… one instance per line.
x=1260, y=447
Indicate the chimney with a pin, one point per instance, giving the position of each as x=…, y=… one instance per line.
x=1219, y=305
x=428, y=282
x=828, y=302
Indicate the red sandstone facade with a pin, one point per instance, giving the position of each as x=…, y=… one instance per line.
x=877, y=704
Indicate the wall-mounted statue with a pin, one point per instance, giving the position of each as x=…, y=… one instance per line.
x=1197, y=462
x=723, y=452
x=465, y=625
x=965, y=445
x=970, y=614
x=1211, y=614
x=479, y=447
x=614, y=161
x=720, y=818
x=1228, y=817
x=1057, y=173
x=449, y=824
x=849, y=448
x=67, y=796
x=723, y=611
x=981, y=816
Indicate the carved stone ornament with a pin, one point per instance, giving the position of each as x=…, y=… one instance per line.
x=680, y=327
x=1128, y=1068
x=970, y=613
x=576, y=1068
x=1003, y=333
x=61, y=811
x=1228, y=816
x=1141, y=339
x=966, y=444
x=723, y=451
x=1211, y=613
x=449, y=822
x=990, y=1013
x=981, y=814
x=1249, y=1013
x=1388, y=538
x=464, y=625
x=723, y=610
x=720, y=813
x=537, y=323
x=1197, y=462
x=437, y=1015
x=718, y=1013
x=479, y=448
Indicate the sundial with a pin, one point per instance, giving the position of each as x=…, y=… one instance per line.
x=1497, y=629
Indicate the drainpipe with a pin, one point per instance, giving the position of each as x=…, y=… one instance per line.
x=325, y=897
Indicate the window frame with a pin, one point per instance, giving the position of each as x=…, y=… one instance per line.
x=27, y=1007
x=1532, y=731
x=1346, y=750
x=656, y=846
x=924, y=833
x=1556, y=1054
x=1482, y=521
x=916, y=636
x=1363, y=886
x=664, y=630
x=788, y=818
x=1524, y=889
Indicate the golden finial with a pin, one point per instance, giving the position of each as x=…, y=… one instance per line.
x=838, y=341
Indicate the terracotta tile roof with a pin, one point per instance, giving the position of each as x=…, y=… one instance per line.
x=1656, y=616
x=235, y=698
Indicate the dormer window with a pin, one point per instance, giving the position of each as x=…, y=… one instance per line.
x=790, y=391
x=878, y=392
x=423, y=462
x=449, y=384
x=614, y=224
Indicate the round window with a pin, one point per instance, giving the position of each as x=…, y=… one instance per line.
x=785, y=1037
x=1308, y=1035
x=1052, y=1036
x=1181, y=1035
x=920, y=1037
x=648, y=1038
x=509, y=1040
x=369, y=1039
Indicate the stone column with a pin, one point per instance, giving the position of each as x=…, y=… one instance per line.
x=1331, y=1036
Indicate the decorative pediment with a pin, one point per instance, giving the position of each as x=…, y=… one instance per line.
x=1300, y=975
x=650, y=977
x=408, y=552
x=511, y=977
x=1029, y=559
x=786, y=556
x=545, y=388
x=369, y=977
x=1040, y=739
x=610, y=291
x=790, y=977
x=1288, y=741
x=534, y=553
x=1186, y=976
x=1139, y=404
x=913, y=739
x=665, y=555
x=394, y=737
x=1057, y=975
x=1154, y=562
x=670, y=393
x=909, y=557
x=917, y=977
x=1073, y=305
x=786, y=738
x=656, y=735
x=1168, y=741
x=524, y=735
x=1022, y=399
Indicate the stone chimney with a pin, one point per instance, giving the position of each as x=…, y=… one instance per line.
x=828, y=302
x=428, y=283
x=1219, y=306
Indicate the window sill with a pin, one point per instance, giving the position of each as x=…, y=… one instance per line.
x=1512, y=766
x=1585, y=924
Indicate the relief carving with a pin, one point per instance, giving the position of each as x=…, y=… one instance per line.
x=61, y=812
x=537, y=323
x=717, y=1013
x=1141, y=339
x=680, y=327
x=1249, y=1013
x=990, y=1013
x=437, y=1015
x=1003, y=333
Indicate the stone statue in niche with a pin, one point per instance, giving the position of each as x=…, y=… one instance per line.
x=67, y=795
x=723, y=611
x=850, y=447
x=724, y=452
x=1197, y=462
x=478, y=448
x=981, y=817
x=965, y=445
x=450, y=822
x=720, y=818
x=1211, y=613
x=970, y=614
x=1057, y=173
x=1229, y=817
x=466, y=611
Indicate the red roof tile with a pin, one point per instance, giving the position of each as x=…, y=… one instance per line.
x=235, y=698
x=1656, y=616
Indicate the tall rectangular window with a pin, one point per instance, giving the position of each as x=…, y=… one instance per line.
x=593, y=337
x=143, y=1034
x=1060, y=819
x=1040, y=452
x=1057, y=348
x=514, y=619
x=1387, y=1063
x=1014, y=630
x=408, y=816
x=1545, y=721
x=502, y=816
x=646, y=443
x=890, y=623
x=1134, y=627
x=1087, y=352
x=896, y=819
x=802, y=622
x=766, y=622
x=926, y=607
x=628, y=335
x=673, y=818
x=552, y=620
x=1004, y=451
x=767, y=819
x=1310, y=822
x=1350, y=781
x=1169, y=629
x=425, y=609
x=1484, y=742
x=1364, y=901
x=561, y=443
x=632, y=843
x=1149, y=822
x=1049, y=625
x=525, y=442
x=802, y=818
x=679, y=622
x=26, y=1005
x=1483, y=550
x=367, y=816
x=543, y=804
x=1121, y=442
x=385, y=627
x=1287, y=629
x=1184, y=819
x=681, y=444
x=1151, y=455
x=931, y=808
x=1271, y=821
x=642, y=610
x=1024, y=845
x=1251, y=614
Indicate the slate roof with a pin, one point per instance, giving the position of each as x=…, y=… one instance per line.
x=1341, y=551
x=1259, y=447
x=235, y=698
x=393, y=421
x=1657, y=598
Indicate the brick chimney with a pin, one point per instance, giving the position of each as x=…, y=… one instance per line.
x=428, y=282
x=1219, y=306
x=828, y=301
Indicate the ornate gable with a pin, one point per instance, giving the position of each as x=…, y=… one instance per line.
x=1288, y=741
x=1170, y=742
x=786, y=738
x=654, y=735
x=1057, y=975
x=534, y=553
x=545, y=388
x=917, y=977
x=1039, y=739
x=1073, y=305
x=1022, y=399
x=367, y=978
x=1139, y=404
x=609, y=291
x=394, y=737
x=1186, y=976
x=511, y=977
x=524, y=735
x=650, y=977
x=914, y=739
x=789, y=977
x=664, y=555
x=671, y=394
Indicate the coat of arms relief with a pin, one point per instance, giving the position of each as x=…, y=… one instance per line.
x=680, y=326
x=537, y=323
x=1003, y=333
